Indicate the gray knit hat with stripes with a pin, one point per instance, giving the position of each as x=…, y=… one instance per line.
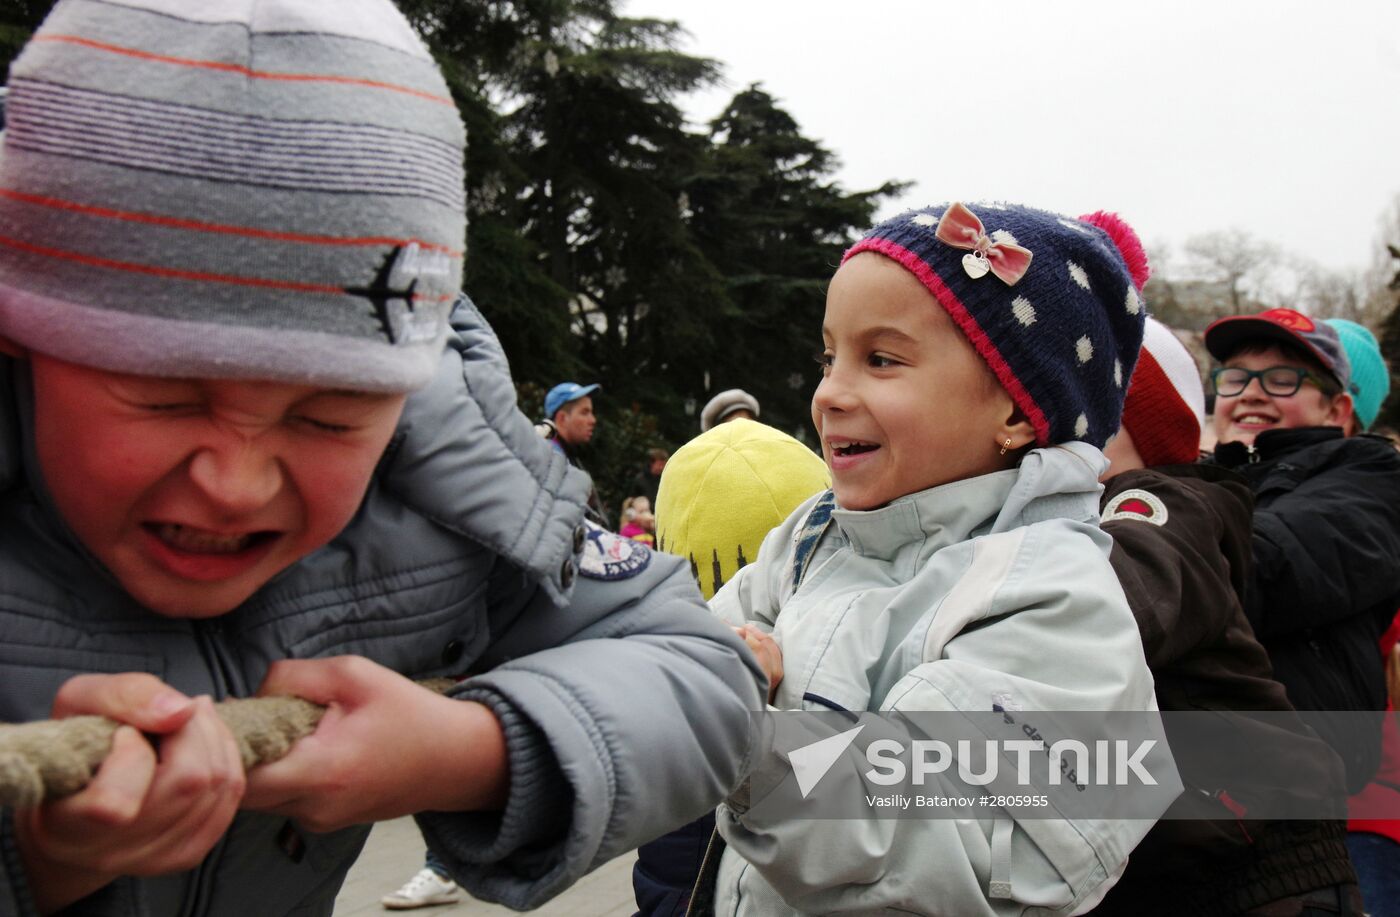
x=253, y=189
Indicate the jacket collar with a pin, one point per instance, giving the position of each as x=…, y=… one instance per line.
x=1055, y=482
x=1273, y=444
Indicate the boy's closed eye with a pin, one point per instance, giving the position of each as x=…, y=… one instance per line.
x=324, y=425
x=331, y=412
x=339, y=412
x=159, y=395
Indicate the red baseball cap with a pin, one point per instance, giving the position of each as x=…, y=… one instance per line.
x=1320, y=339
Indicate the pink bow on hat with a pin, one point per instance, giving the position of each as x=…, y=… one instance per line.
x=961, y=228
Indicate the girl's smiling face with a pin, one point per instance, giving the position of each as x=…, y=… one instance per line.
x=905, y=403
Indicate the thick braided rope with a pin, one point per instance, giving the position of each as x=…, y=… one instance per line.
x=50, y=759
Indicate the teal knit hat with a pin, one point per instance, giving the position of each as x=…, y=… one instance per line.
x=1370, y=377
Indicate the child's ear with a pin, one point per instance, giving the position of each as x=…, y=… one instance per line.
x=13, y=349
x=1017, y=432
x=1343, y=409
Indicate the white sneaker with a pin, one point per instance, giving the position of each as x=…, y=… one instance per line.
x=424, y=889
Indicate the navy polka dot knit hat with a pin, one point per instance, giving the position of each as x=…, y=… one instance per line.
x=1052, y=304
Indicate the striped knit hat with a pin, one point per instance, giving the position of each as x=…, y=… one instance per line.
x=267, y=189
x=1166, y=403
x=1052, y=304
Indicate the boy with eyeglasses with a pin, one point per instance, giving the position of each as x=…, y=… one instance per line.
x=1326, y=539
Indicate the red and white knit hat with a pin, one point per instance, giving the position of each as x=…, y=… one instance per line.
x=1166, y=402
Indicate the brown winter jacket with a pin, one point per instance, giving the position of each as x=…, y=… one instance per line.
x=1182, y=553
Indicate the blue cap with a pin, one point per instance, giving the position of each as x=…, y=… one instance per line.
x=565, y=392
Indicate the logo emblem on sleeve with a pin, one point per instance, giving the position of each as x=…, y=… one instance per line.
x=1137, y=505
x=608, y=556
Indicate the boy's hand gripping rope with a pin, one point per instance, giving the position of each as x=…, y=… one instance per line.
x=50, y=759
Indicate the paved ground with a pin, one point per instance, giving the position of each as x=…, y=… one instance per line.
x=395, y=852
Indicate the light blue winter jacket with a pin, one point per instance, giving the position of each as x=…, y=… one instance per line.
x=995, y=590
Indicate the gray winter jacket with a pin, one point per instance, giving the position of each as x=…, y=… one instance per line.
x=625, y=703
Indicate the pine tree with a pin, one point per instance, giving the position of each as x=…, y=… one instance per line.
x=485, y=52
x=18, y=19
x=774, y=224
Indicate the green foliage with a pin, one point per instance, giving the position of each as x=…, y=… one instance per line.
x=611, y=242
x=18, y=18
x=618, y=451
x=774, y=225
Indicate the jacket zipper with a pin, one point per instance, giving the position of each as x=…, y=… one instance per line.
x=224, y=676
x=223, y=681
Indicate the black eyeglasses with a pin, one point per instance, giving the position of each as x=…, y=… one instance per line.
x=1279, y=381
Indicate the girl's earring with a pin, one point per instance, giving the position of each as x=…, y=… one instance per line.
x=1006, y=445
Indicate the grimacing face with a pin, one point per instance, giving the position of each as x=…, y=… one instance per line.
x=905, y=403
x=195, y=493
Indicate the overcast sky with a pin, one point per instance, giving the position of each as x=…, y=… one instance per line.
x=1281, y=118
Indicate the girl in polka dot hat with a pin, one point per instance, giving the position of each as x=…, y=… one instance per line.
x=1051, y=304
x=974, y=360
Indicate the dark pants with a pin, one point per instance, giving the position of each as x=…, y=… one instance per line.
x=1377, y=861
x=1325, y=902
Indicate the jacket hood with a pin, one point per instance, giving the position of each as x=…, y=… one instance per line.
x=466, y=457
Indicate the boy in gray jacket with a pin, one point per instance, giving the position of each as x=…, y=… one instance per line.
x=249, y=444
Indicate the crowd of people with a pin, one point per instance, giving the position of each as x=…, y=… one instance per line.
x=258, y=441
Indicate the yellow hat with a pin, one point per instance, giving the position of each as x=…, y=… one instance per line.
x=724, y=490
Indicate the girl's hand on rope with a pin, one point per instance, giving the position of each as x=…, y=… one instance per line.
x=148, y=810
x=767, y=652
x=385, y=747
